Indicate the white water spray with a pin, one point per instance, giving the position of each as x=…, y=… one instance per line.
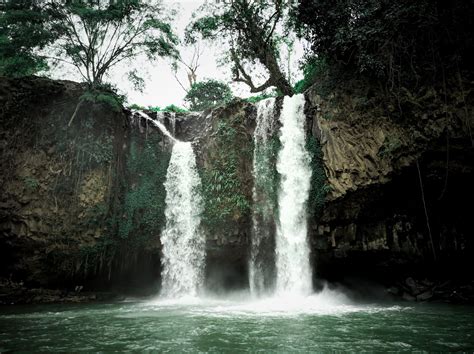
x=292, y=247
x=183, y=243
x=262, y=210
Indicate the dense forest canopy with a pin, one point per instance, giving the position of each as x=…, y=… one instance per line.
x=398, y=43
x=393, y=45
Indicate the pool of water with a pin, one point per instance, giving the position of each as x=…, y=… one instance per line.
x=322, y=322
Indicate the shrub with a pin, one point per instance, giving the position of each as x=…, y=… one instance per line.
x=208, y=94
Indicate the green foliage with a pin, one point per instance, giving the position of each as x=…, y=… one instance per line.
x=98, y=151
x=23, y=27
x=313, y=68
x=261, y=97
x=138, y=107
x=105, y=94
x=174, y=108
x=389, y=146
x=249, y=31
x=96, y=215
x=137, y=81
x=222, y=185
x=31, y=183
x=208, y=94
x=90, y=145
x=206, y=27
x=395, y=44
x=92, y=36
x=318, y=186
x=142, y=214
x=267, y=185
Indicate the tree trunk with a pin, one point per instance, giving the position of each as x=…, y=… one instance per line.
x=266, y=55
x=280, y=81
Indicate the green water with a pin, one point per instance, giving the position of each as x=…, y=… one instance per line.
x=318, y=323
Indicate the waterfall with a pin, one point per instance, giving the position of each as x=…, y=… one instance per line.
x=183, y=243
x=260, y=267
x=292, y=247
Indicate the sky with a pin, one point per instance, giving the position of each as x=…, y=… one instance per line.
x=161, y=88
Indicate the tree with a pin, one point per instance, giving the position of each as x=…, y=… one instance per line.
x=95, y=35
x=399, y=43
x=208, y=94
x=22, y=28
x=190, y=65
x=250, y=27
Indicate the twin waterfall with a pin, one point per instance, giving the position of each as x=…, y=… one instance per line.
x=292, y=252
x=279, y=259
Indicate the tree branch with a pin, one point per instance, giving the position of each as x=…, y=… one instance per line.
x=247, y=79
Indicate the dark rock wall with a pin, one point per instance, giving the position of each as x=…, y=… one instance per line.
x=379, y=221
x=63, y=188
x=85, y=204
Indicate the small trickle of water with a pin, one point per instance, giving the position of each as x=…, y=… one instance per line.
x=160, y=117
x=173, y=123
x=183, y=243
x=262, y=212
x=293, y=165
x=157, y=123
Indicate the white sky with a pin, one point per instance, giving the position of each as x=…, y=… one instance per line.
x=161, y=88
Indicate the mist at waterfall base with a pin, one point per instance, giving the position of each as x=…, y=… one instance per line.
x=282, y=315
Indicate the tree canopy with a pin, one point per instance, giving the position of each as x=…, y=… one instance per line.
x=23, y=26
x=208, y=94
x=397, y=42
x=92, y=36
x=250, y=30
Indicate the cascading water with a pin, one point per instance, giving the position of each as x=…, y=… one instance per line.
x=173, y=122
x=292, y=247
x=183, y=243
x=158, y=124
x=260, y=269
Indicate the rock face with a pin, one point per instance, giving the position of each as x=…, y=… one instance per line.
x=69, y=193
x=84, y=204
x=398, y=191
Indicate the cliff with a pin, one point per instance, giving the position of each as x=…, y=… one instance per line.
x=83, y=205
x=399, y=190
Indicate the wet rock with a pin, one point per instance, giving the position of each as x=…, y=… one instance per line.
x=424, y=296
x=393, y=290
x=410, y=282
x=408, y=297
